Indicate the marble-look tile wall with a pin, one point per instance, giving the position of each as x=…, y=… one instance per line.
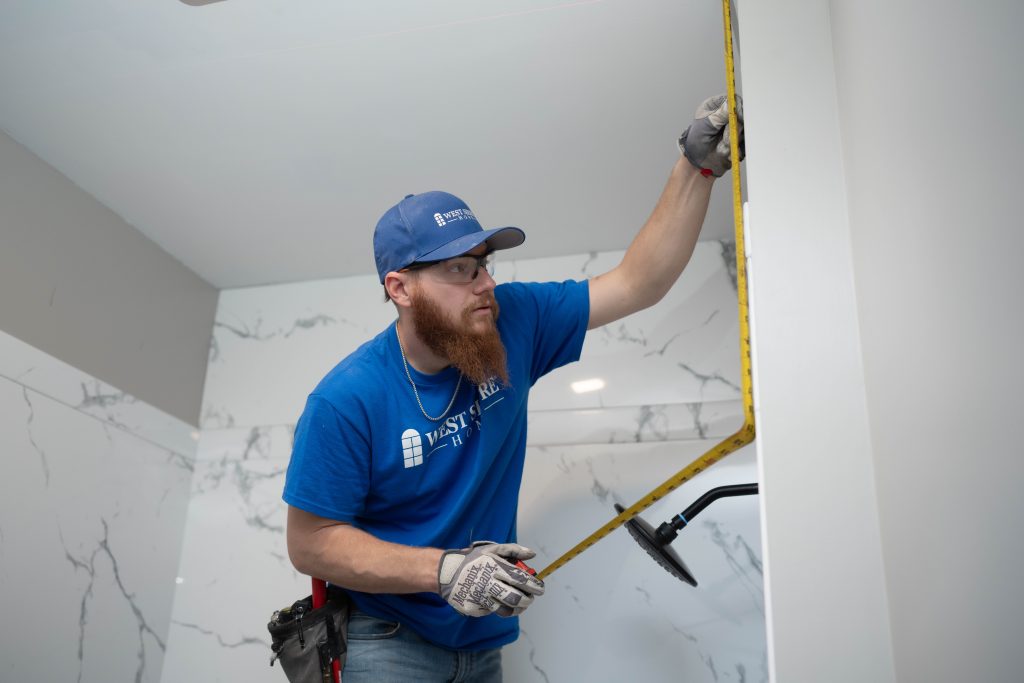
x=671, y=391
x=92, y=509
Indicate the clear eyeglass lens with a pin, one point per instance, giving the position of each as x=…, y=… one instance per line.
x=464, y=269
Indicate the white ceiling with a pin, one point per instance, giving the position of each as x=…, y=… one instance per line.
x=258, y=141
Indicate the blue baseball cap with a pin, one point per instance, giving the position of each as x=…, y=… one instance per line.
x=432, y=226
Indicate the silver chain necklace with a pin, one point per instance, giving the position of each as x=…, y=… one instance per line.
x=416, y=393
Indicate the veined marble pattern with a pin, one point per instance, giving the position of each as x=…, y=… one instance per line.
x=27, y=365
x=685, y=349
x=630, y=424
x=234, y=568
x=91, y=523
x=286, y=337
x=613, y=614
x=671, y=391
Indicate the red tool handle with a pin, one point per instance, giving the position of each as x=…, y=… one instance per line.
x=319, y=598
x=526, y=568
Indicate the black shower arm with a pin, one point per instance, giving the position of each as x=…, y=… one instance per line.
x=666, y=533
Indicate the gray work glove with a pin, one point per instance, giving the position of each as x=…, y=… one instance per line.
x=706, y=141
x=484, y=578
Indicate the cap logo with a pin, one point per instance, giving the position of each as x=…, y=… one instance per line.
x=452, y=216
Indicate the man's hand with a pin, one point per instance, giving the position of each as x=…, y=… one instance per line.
x=705, y=143
x=483, y=578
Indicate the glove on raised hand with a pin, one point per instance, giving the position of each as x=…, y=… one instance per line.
x=706, y=141
x=483, y=578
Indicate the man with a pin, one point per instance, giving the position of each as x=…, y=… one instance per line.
x=407, y=462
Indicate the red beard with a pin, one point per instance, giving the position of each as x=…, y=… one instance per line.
x=479, y=356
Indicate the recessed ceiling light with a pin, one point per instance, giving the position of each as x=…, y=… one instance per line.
x=585, y=385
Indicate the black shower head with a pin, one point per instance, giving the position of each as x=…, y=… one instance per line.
x=648, y=539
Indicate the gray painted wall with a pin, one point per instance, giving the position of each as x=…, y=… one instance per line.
x=79, y=283
x=931, y=105
x=825, y=584
x=884, y=141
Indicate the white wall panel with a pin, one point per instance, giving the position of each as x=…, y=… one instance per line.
x=92, y=505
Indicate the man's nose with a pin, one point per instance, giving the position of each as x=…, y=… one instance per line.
x=483, y=281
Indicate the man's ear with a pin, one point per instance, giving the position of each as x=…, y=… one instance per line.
x=398, y=286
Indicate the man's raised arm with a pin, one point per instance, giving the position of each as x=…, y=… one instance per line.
x=664, y=245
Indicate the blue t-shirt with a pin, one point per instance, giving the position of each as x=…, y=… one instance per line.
x=365, y=454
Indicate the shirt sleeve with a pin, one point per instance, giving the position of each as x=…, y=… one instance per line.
x=552, y=316
x=329, y=471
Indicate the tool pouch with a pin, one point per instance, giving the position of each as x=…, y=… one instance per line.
x=308, y=640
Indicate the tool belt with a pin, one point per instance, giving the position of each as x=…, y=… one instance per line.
x=308, y=640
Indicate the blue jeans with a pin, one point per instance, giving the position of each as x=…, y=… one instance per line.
x=382, y=651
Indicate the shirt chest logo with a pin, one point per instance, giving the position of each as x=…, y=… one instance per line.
x=453, y=432
x=412, y=448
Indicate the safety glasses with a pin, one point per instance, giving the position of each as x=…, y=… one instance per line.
x=460, y=270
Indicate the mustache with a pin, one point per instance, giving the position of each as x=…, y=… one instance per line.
x=485, y=300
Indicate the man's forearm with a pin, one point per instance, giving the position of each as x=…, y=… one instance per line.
x=659, y=252
x=664, y=245
x=351, y=558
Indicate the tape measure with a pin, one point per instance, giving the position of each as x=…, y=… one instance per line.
x=745, y=434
